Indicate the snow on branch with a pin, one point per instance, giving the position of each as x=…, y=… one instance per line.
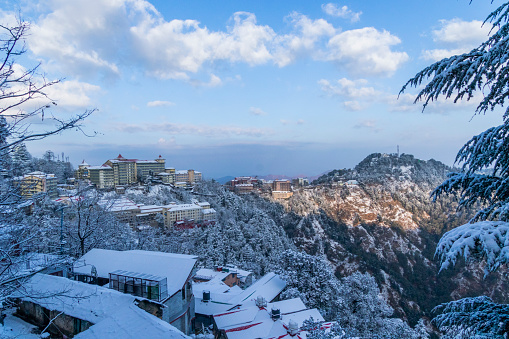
x=487, y=240
x=469, y=317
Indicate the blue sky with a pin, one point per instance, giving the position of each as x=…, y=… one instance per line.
x=251, y=87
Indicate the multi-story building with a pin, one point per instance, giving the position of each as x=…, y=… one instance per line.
x=300, y=182
x=281, y=189
x=102, y=176
x=82, y=172
x=282, y=185
x=196, y=212
x=189, y=176
x=36, y=182
x=124, y=170
x=130, y=171
x=145, y=168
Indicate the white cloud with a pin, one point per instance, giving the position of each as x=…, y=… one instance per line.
x=63, y=96
x=190, y=129
x=159, y=103
x=88, y=38
x=355, y=93
x=368, y=124
x=256, y=111
x=291, y=122
x=349, y=88
x=72, y=94
x=456, y=37
x=303, y=41
x=341, y=12
x=367, y=51
x=405, y=103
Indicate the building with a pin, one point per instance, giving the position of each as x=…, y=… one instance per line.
x=214, y=296
x=282, y=319
x=282, y=185
x=130, y=171
x=162, y=278
x=101, y=176
x=71, y=308
x=300, y=182
x=37, y=182
x=193, y=213
x=82, y=172
x=229, y=275
x=281, y=189
x=189, y=176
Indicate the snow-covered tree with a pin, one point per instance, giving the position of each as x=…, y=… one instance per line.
x=484, y=176
x=23, y=100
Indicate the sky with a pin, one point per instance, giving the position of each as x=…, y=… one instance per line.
x=250, y=87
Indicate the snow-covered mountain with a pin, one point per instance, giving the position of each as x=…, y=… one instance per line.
x=378, y=217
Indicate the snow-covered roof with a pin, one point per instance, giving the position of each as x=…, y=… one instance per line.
x=269, y=286
x=114, y=314
x=249, y=314
x=254, y=322
x=224, y=298
x=175, y=267
x=119, y=205
x=102, y=167
x=146, y=162
x=181, y=207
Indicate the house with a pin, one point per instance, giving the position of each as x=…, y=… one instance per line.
x=163, y=279
x=229, y=275
x=215, y=296
x=72, y=308
x=37, y=182
x=282, y=319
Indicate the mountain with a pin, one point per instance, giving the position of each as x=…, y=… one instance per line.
x=378, y=218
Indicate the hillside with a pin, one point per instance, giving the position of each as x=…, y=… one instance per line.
x=378, y=217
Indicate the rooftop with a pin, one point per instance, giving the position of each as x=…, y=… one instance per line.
x=175, y=267
x=114, y=314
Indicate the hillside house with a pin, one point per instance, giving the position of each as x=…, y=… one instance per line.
x=282, y=319
x=215, y=296
x=163, y=279
x=70, y=308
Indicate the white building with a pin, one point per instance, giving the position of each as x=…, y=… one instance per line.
x=282, y=319
x=85, y=311
x=162, y=277
x=196, y=212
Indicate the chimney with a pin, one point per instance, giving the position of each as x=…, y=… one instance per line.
x=293, y=328
x=261, y=302
x=206, y=296
x=275, y=314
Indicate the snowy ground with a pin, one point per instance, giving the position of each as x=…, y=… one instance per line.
x=14, y=327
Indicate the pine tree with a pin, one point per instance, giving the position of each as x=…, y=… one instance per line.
x=484, y=176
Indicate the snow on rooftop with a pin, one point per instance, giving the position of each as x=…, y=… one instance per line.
x=269, y=286
x=224, y=298
x=250, y=314
x=262, y=325
x=114, y=314
x=119, y=205
x=182, y=207
x=102, y=167
x=175, y=267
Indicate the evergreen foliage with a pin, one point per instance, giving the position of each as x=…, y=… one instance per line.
x=484, y=69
